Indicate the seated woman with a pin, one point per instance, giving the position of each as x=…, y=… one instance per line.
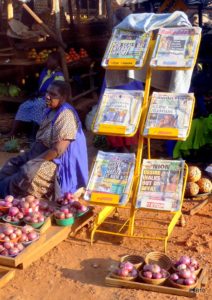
x=57, y=161
x=32, y=109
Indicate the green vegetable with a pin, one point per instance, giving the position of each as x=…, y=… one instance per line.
x=12, y=146
x=14, y=90
x=3, y=89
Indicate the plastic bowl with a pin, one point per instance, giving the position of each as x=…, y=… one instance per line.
x=82, y=213
x=34, y=225
x=65, y=222
x=11, y=222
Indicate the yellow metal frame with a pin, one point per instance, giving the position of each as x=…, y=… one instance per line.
x=129, y=224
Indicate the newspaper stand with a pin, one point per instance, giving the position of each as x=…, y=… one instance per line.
x=128, y=226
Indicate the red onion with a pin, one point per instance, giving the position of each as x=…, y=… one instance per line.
x=174, y=276
x=128, y=266
x=185, y=260
x=8, y=245
x=1, y=248
x=5, y=252
x=147, y=274
x=181, y=267
x=147, y=268
x=68, y=196
x=23, y=238
x=155, y=269
x=2, y=236
x=124, y=272
x=27, y=229
x=13, y=236
x=32, y=236
x=8, y=204
x=69, y=215
x=191, y=268
x=156, y=275
x=13, y=211
x=134, y=273
x=30, y=198
x=189, y=281
x=64, y=209
x=185, y=273
x=13, y=252
x=9, y=198
x=8, y=230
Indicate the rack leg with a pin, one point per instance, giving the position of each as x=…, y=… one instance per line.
x=148, y=148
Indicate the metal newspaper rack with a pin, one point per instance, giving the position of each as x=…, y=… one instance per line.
x=127, y=227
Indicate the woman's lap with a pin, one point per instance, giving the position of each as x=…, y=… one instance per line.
x=35, y=177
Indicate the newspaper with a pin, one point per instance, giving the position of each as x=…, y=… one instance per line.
x=170, y=110
x=176, y=47
x=112, y=173
x=119, y=107
x=127, y=44
x=160, y=185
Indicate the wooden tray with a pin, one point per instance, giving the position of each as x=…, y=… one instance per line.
x=155, y=288
x=20, y=258
x=6, y=274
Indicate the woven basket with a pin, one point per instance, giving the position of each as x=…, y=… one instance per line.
x=181, y=286
x=136, y=260
x=160, y=259
x=153, y=281
x=128, y=278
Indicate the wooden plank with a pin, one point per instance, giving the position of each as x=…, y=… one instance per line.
x=54, y=236
x=47, y=223
x=6, y=275
x=82, y=222
x=153, y=288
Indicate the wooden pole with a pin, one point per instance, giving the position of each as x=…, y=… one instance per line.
x=58, y=32
x=1, y=15
x=78, y=10
x=70, y=12
x=10, y=13
x=109, y=15
x=45, y=27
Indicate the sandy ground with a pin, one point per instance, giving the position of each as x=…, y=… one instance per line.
x=76, y=270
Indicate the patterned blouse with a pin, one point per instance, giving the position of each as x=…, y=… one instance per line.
x=64, y=128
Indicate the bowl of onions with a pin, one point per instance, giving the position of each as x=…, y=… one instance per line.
x=125, y=271
x=28, y=235
x=183, y=279
x=186, y=262
x=36, y=219
x=64, y=216
x=153, y=274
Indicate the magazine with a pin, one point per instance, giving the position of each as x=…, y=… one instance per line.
x=127, y=45
x=112, y=173
x=119, y=108
x=176, y=47
x=160, y=184
x=170, y=110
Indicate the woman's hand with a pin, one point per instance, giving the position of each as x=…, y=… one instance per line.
x=56, y=151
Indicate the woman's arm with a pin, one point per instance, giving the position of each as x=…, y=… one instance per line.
x=56, y=151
